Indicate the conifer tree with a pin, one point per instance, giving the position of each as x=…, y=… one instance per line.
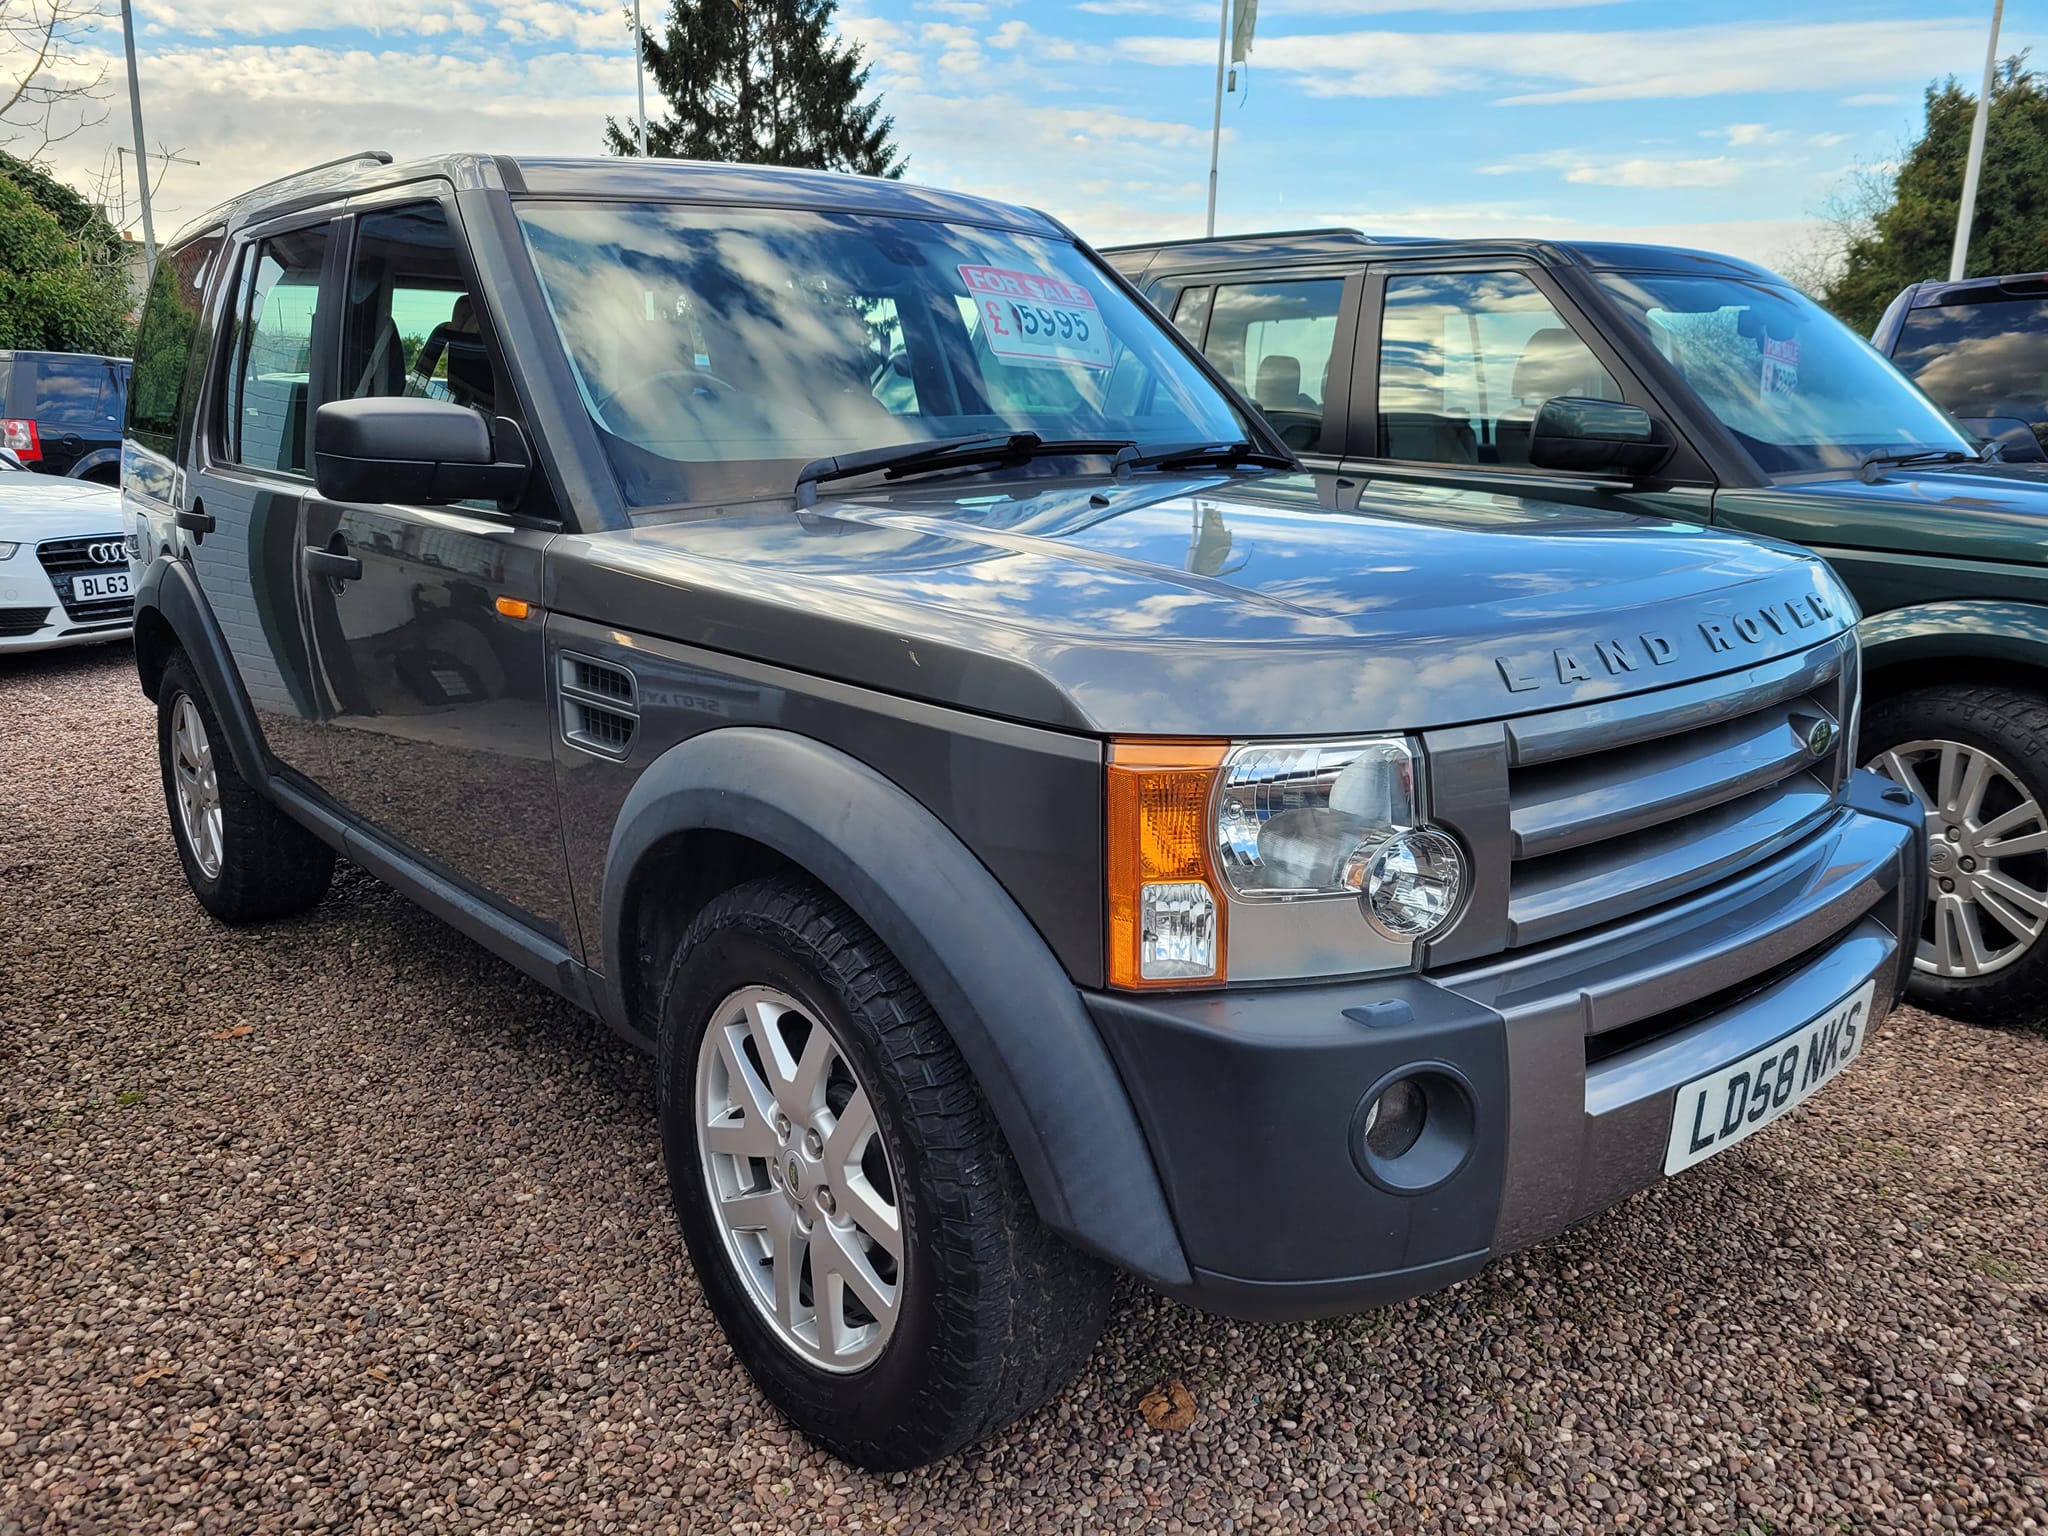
x=761, y=81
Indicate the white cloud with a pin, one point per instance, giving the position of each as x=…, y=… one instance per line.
x=250, y=112
x=1827, y=140
x=1738, y=134
x=1552, y=67
x=1623, y=171
x=1013, y=35
x=1875, y=99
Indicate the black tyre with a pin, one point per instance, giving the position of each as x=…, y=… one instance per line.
x=858, y=1225
x=246, y=860
x=1977, y=757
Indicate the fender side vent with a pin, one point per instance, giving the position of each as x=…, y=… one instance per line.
x=600, y=705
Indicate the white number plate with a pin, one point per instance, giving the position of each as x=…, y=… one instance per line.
x=1716, y=1111
x=86, y=589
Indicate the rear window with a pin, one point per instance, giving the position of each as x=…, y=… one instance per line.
x=78, y=392
x=1981, y=361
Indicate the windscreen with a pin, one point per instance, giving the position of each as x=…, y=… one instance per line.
x=1800, y=389
x=719, y=350
x=1986, y=361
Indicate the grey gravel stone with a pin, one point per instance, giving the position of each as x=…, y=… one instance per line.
x=400, y=1259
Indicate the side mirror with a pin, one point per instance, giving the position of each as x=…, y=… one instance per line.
x=410, y=449
x=1597, y=435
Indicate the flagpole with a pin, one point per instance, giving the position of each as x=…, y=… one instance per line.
x=640, y=75
x=1216, y=128
x=1960, y=257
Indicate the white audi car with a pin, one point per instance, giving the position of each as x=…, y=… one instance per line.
x=64, y=577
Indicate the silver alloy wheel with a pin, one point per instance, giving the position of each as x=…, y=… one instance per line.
x=1986, y=837
x=800, y=1182
x=197, y=785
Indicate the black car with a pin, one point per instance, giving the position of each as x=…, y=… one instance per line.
x=1979, y=348
x=1684, y=384
x=61, y=412
x=833, y=631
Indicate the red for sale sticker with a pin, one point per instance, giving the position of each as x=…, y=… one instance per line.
x=1036, y=320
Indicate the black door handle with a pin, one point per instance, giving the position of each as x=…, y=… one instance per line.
x=335, y=564
x=196, y=519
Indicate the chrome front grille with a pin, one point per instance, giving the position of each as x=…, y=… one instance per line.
x=1617, y=806
x=63, y=559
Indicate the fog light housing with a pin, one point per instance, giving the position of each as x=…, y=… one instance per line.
x=1415, y=1128
x=1412, y=883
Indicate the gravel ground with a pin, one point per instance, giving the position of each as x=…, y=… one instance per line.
x=342, y=1225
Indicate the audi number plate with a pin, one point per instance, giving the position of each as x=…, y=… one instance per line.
x=99, y=585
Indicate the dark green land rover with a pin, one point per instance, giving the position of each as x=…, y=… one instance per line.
x=1688, y=385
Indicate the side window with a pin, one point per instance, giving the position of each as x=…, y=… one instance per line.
x=163, y=346
x=1191, y=313
x=412, y=326
x=1466, y=358
x=75, y=393
x=270, y=376
x=1273, y=341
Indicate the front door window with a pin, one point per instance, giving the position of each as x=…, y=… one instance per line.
x=1274, y=342
x=1466, y=360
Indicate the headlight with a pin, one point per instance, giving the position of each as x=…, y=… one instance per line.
x=1412, y=883
x=7, y=551
x=1316, y=853
x=1306, y=820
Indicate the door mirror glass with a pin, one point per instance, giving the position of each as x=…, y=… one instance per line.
x=1597, y=435
x=408, y=449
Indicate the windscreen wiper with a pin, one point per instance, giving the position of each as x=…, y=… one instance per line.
x=1884, y=458
x=1227, y=455
x=900, y=459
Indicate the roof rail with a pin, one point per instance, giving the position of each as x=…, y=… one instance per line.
x=1263, y=234
x=381, y=156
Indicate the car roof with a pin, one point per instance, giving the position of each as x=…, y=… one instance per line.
x=1306, y=245
x=1979, y=290
x=623, y=177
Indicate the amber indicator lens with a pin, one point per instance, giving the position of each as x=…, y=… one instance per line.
x=1165, y=914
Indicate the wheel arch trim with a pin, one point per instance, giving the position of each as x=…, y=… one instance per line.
x=88, y=462
x=169, y=591
x=998, y=989
x=1985, y=629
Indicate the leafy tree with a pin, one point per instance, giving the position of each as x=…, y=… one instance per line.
x=1908, y=236
x=63, y=283
x=764, y=82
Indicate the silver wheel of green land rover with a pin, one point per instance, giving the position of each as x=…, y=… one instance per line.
x=800, y=1183
x=1987, y=880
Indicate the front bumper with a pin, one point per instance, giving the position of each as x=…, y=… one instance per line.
x=35, y=615
x=1572, y=1054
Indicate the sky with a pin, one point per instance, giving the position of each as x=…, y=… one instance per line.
x=1724, y=124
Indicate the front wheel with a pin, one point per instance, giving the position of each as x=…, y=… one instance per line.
x=859, y=1227
x=1977, y=759
x=245, y=859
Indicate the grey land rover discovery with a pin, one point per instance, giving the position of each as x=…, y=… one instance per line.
x=835, y=633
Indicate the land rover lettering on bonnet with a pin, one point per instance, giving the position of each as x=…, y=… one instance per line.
x=1617, y=657
x=834, y=632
